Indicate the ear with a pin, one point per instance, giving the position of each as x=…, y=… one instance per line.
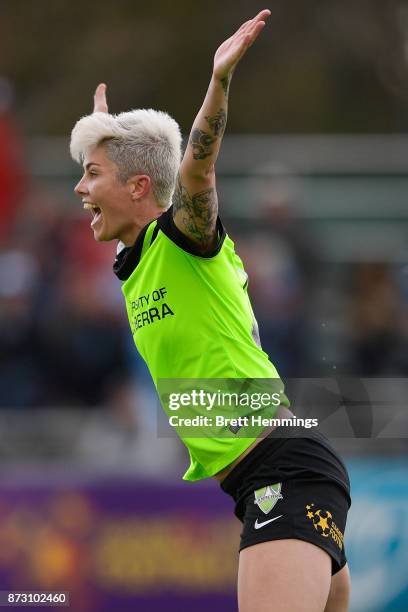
x=139, y=185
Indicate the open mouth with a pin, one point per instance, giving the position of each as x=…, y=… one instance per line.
x=96, y=212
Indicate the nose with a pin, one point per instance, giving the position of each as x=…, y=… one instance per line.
x=80, y=188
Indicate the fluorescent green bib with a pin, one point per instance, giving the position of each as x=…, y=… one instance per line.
x=191, y=317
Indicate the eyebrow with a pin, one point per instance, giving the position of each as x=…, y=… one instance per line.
x=89, y=164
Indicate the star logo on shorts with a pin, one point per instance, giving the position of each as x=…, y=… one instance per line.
x=322, y=521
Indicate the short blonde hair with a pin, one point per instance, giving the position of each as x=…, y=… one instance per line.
x=142, y=141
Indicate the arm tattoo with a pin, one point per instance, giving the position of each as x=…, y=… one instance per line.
x=197, y=213
x=218, y=122
x=225, y=81
x=201, y=143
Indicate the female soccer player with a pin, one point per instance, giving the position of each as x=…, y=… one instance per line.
x=190, y=315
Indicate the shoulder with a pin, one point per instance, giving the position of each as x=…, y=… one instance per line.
x=128, y=258
x=166, y=224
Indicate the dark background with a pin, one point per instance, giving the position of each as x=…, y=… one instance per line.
x=320, y=66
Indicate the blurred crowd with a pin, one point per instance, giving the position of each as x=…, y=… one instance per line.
x=64, y=338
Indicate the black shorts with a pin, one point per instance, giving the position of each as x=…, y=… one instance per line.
x=292, y=487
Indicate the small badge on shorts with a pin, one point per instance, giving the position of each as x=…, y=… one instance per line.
x=266, y=497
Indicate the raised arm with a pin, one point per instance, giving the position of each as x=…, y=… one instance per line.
x=195, y=204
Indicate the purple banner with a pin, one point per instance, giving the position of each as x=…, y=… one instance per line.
x=122, y=546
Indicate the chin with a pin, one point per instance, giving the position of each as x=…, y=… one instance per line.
x=103, y=237
x=103, y=233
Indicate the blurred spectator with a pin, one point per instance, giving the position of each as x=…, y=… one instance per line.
x=21, y=380
x=84, y=341
x=375, y=321
x=12, y=168
x=283, y=266
x=63, y=338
